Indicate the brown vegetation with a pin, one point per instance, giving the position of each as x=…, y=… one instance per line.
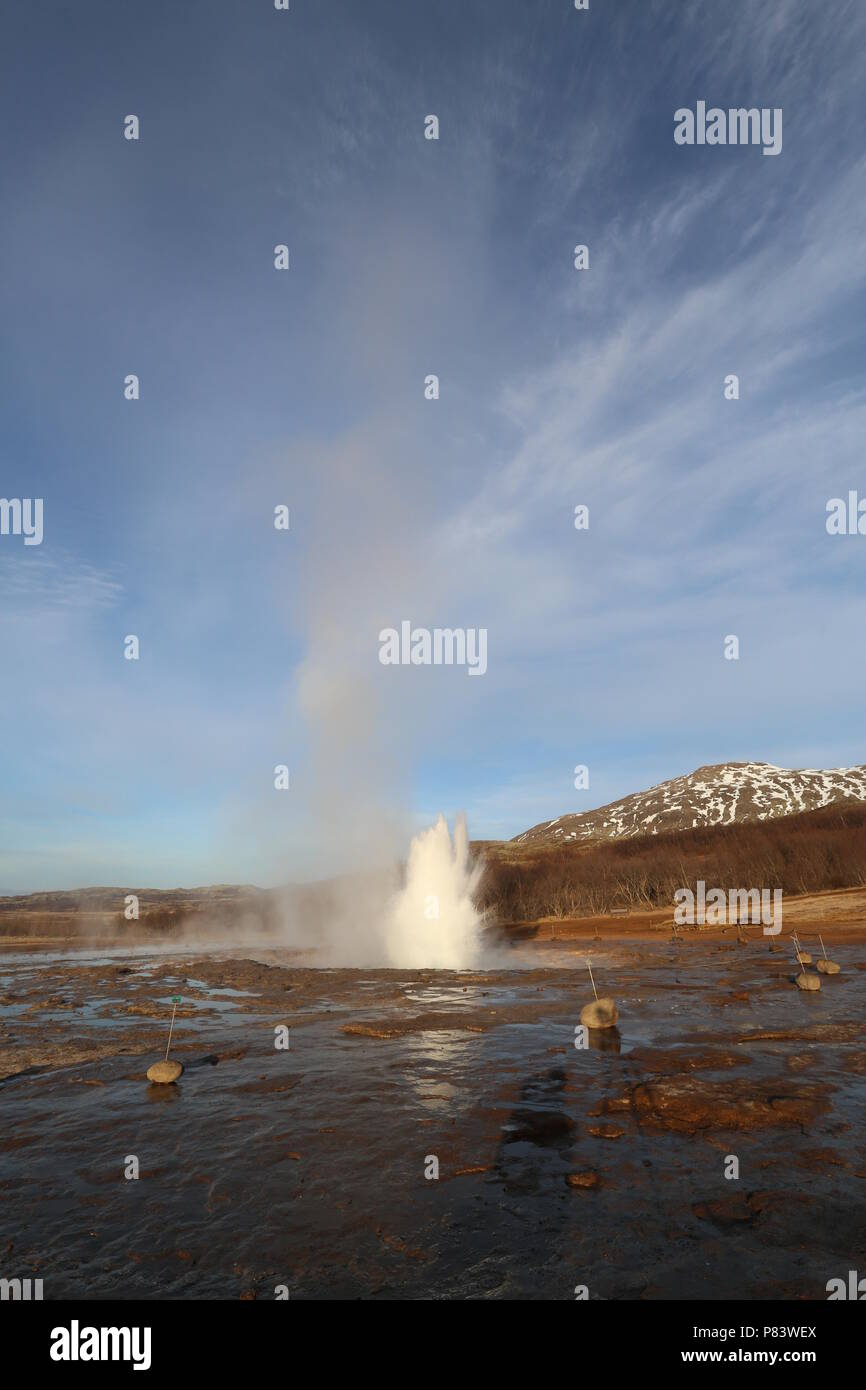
x=808, y=853
x=97, y=914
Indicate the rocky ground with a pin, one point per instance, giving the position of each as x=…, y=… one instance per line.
x=558, y=1166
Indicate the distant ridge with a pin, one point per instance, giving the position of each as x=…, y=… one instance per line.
x=721, y=794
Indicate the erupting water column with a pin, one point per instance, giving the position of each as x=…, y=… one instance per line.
x=433, y=923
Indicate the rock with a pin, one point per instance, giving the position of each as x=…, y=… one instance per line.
x=828, y=967
x=805, y=981
x=673, y=1061
x=748, y=1208
x=601, y=1013
x=163, y=1073
x=816, y=1032
x=364, y=1030
x=546, y=1128
x=813, y=1033
x=799, y=1063
x=692, y=1104
x=818, y=1160
x=726, y=1211
x=585, y=1180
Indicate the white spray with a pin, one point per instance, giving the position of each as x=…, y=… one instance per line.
x=433, y=922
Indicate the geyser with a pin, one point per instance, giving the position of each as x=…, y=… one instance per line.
x=433, y=923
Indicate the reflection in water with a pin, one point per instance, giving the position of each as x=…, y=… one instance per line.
x=605, y=1039
x=433, y=1056
x=162, y=1095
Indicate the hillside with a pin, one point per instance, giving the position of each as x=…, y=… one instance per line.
x=810, y=852
x=722, y=794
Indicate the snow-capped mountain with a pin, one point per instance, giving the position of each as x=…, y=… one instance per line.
x=718, y=795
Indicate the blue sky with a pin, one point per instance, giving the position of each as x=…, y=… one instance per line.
x=305, y=387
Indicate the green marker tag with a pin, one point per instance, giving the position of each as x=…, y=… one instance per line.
x=176, y=999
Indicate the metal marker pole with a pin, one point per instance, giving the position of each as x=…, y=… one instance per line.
x=175, y=1001
x=594, y=990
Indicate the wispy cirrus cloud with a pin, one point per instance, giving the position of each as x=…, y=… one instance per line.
x=36, y=584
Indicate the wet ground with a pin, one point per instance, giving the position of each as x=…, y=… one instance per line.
x=558, y=1166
